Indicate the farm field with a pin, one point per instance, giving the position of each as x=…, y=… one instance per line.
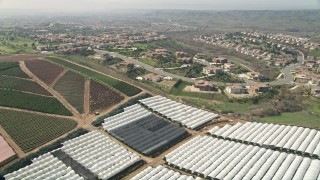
x=12, y=83
x=30, y=130
x=121, y=86
x=12, y=69
x=71, y=87
x=44, y=70
x=21, y=100
x=102, y=97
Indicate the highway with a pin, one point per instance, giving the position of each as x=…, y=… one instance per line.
x=288, y=77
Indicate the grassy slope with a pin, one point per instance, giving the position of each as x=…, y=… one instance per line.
x=315, y=53
x=303, y=118
x=16, y=46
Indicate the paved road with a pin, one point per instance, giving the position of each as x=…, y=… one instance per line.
x=148, y=67
x=288, y=78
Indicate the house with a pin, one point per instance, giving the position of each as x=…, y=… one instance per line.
x=237, y=89
x=123, y=65
x=179, y=54
x=261, y=88
x=220, y=60
x=168, y=78
x=254, y=75
x=42, y=48
x=200, y=56
x=212, y=70
x=185, y=60
x=152, y=77
x=161, y=50
x=139, y=78
x=204, y=85
x=229, y=66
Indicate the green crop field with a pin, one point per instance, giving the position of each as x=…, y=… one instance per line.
x=12, y=69
x=121, y=86
x=12, y=83
x=21, y=100
x=71, y=87
x=30, y=130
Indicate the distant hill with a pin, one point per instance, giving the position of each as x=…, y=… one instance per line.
x=293, y=20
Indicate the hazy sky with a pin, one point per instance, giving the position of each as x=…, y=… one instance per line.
x=99, y=5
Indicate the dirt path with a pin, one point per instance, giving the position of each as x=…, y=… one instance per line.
x=57, y=78
x=53, y=92
x=87, y=98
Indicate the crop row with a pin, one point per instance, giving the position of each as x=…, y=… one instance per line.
x=71, y=87
x=121, y=86
x=102, y=97
x=21, y=100
x=30, y=130
x=12, y=69
x=44, y=70
x=12, y=83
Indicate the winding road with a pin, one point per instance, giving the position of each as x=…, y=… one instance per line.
x=288, y=77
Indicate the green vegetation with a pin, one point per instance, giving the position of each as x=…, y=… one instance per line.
x=119, y=109
x=30, y=130
x=12, y=69
x=125, y=52
x=149, y=61
x=161, y=63
x=21, y=100
x=121, y=86
x=224, y=78
x=12, y=83
x=302, y=118
x=177, y=71
x=315, y=109
x=23, y=162
x=315, y=53
x=112, y=61
x=71, y=86
x=15, y=45
x=141, y=46
x=193, y=71
x=134, y=72
x=173, y=46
